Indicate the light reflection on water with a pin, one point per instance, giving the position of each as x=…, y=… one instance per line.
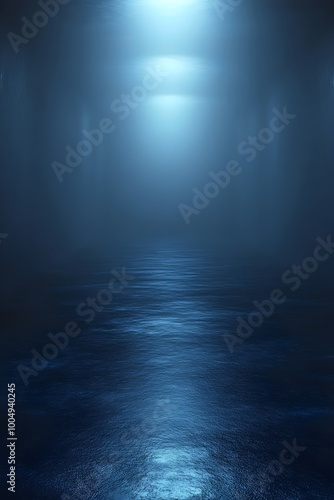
x=149, y=399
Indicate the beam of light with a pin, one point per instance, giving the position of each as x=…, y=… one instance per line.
x=170, y=119
x=174, y=5
x=185, y=74
x=177, y=64
x=166, y=23
x=168, y=104
x=170, y=116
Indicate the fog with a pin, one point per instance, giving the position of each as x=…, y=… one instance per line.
x=219, y=82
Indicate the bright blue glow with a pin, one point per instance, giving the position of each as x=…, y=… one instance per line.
x=168, y=104
x=163, y=24
x=171, y=115
x=174, y=5
x=178, y=65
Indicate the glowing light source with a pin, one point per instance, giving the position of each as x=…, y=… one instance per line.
x=170, y=3
x=167, y=23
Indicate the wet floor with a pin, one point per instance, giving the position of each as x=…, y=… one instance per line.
x=147, y=402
